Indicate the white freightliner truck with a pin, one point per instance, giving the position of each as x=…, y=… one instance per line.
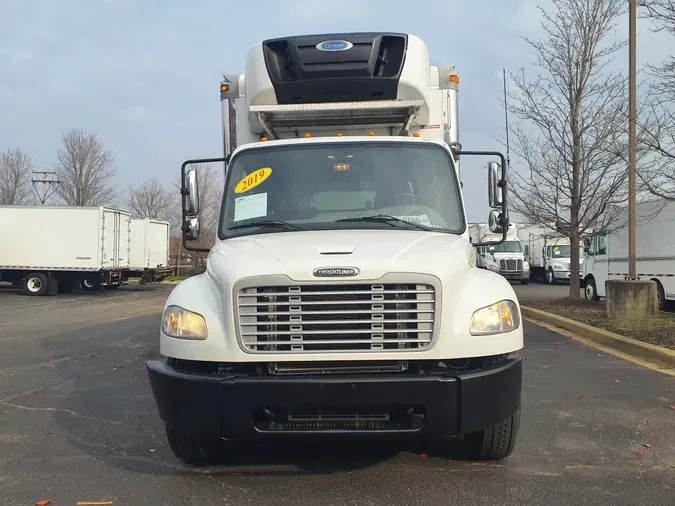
x=342, y=295
x=505, y=258
x=548, y=253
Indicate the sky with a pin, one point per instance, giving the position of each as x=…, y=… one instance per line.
x=144, y=74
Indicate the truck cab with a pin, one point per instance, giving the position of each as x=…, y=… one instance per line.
x=341, y=297
x=505, y=258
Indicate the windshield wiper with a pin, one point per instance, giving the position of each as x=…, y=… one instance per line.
x=267, y=223
x=383, y=218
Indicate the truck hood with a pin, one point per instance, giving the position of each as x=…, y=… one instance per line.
x=373, y=252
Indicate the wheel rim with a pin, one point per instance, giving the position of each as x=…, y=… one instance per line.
x=88, y=284
x=658, y=297
x=550, y=276
x=589, y=291
x=34, y=284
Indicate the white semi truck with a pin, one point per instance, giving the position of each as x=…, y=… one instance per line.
x=548, y=253
x=505, y=258
x=607, y=253
x=342, y=295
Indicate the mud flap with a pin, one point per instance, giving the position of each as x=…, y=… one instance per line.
x=52, y=284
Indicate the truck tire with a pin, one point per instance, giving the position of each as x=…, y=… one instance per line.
x=524, y=281
x=35, y=284
x=195, y=450
x=550, y=277
x=590, y=290
x=661, y=296
x=496, y=442
x=90, y=285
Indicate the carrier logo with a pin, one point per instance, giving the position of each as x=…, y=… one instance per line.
x=334, y=45
x=333, y=272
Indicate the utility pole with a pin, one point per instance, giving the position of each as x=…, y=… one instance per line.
x=47, y=179
x=632, y=138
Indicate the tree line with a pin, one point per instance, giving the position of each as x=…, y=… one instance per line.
x=84, y=173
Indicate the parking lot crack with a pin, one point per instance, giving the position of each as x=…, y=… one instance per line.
x=63, y=410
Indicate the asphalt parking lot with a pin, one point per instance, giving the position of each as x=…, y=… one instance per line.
x=78, y=423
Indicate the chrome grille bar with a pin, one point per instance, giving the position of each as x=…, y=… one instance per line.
x=340, y=317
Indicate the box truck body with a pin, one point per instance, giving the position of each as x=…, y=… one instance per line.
x=607, y=256
x=149, y=251
x=58, y=245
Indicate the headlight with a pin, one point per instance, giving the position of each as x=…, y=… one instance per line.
x=183, y=324
x=526, y=266
x=495, y=319
x=494, y=268
x=558, y=267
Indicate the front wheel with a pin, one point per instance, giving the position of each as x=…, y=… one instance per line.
x=550, y=277
x=195, y=450
x=496, y=442
x=590, y=290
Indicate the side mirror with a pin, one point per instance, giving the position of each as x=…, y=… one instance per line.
x=495, y=222
x=191, y=193
x=495, y=190
x=191, y=229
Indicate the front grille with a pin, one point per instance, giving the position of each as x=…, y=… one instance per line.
x=510, y=265
x=339, y=317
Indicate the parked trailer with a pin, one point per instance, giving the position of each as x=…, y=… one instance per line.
x=149, y=251
x=46, y=249
x=607, y=255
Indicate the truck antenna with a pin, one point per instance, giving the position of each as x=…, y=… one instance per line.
x=506, y=119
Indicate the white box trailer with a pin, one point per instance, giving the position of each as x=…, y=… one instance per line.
x=149, y=251
x=607, y=254
x=46, y=249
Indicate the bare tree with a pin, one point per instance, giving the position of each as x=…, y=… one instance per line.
x=15, y=177
x=571, y=137
x=658, y=132
x=150, y=199
x=85, y=169
x=662, y=12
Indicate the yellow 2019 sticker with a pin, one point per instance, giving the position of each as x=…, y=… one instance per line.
x=252, y=180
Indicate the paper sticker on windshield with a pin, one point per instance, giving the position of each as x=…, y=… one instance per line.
x=252, y=180
x=422, y=219
x=251, y=206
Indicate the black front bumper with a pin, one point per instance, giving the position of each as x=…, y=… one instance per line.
x=245, y=407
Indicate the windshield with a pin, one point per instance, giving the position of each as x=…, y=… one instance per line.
x=506, y=247
x=312, y=186
x=561, y=252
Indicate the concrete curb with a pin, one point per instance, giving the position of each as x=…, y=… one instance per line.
x=645, y=351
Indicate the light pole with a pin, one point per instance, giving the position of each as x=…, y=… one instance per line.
x=632, y=139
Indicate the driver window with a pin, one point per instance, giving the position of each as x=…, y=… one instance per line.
x=601, y=245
